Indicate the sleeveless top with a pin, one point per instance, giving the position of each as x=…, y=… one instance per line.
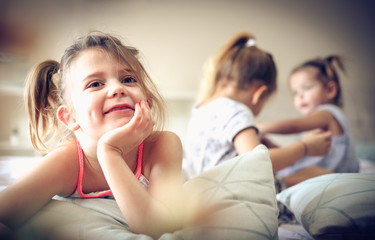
x=106, y=193
x=340, y=159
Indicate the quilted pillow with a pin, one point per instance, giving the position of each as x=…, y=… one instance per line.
x=84, y=219
x=234, y=200
x=334, y=206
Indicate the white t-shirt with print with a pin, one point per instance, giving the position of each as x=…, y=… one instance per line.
x=211, y=131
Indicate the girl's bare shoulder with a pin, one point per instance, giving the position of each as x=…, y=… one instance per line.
x=63, y=162
x=65, y=151
x=332, y=123
x=322, y=115
x=164, y=140
x=165, y=146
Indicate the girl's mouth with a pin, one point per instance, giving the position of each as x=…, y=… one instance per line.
x=303, y=105
x=120, y=107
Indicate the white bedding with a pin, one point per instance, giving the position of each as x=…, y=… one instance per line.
x=12, y=167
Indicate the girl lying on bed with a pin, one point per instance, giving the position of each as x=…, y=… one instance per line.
x=114, y=147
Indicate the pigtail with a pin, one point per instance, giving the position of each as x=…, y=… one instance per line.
x=336, y=60
x=42, y=101
x=332, y=64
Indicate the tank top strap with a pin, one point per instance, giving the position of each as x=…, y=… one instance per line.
x=139, y=161
x=81, y=170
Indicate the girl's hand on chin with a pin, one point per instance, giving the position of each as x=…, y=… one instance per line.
x=132, y=134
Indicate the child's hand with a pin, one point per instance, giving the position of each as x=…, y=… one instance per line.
x=132, y=134
x=318, y=142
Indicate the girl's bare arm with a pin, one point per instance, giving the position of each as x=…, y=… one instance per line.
x=318, y=119
x=57, y=174
x=246, y=140
x=316, y=143
x=157, y=210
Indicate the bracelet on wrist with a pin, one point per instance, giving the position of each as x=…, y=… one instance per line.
x=304, y=148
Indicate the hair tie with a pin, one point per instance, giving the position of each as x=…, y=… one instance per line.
x=251, y=42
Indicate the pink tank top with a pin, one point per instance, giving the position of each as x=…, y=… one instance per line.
x=79, y=192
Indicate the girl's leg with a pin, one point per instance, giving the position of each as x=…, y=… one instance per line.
x=305, y=174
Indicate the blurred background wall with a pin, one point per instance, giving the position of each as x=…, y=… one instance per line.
x=177, y=37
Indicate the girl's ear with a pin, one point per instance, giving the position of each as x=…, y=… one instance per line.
x=259, y=92
x=65, y=116
x=331, y=89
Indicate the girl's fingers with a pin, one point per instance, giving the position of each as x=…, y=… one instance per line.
x=142, y=119
x=146, y=112
x=135, y=131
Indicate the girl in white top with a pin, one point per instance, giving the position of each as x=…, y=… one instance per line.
x=113, y=115
x=316, y=93
x=239, y=80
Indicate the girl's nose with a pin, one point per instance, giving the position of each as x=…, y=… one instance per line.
x=117, y=90
x=300, y=95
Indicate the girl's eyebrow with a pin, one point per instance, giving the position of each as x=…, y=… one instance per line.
x=126, y=70
x=93, y=75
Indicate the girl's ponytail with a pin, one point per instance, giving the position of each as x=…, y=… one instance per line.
x=332, y=62
x=239, y=60
x=42, y=100
x=337, y=60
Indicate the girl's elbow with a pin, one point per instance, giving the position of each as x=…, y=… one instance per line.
x=156, y=227
x=172, y=224
x=157, y=231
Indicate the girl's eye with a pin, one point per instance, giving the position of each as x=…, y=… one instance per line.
x=94, y=84
x=129, y=80
x=296, y=93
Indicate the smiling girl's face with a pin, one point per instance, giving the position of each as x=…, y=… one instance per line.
x=308, y=92
x=104, y=92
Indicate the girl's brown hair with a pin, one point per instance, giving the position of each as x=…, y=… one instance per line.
x=47, y=86
x=326, y=72
x=241, y=62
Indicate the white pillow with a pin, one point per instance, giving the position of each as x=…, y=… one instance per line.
x=334, y=206
x=234, y=200
x=71, y=220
